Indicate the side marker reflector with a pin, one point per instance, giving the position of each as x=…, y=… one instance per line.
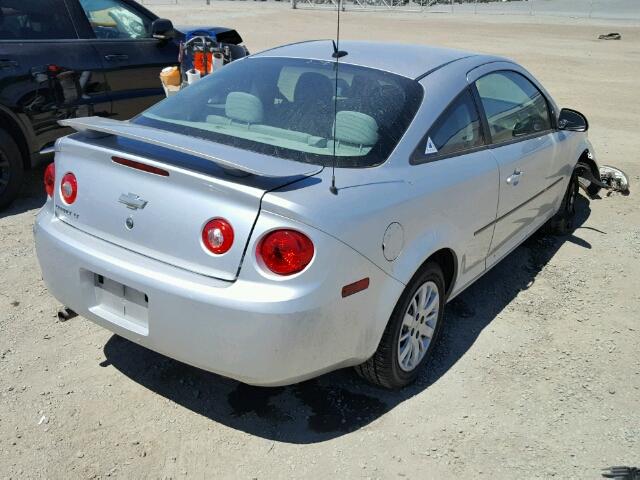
x=355, y=287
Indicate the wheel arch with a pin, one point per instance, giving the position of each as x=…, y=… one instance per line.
x=587, y=157
x=11, y=125
x=447, y=260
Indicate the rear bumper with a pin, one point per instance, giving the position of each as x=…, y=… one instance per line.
x=261, y=334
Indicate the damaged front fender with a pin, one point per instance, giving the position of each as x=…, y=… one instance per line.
x=609, y=178
x=593, y=178
x=615, y=179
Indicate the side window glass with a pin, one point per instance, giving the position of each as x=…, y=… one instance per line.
x=35, y=20
x=457, y=130
x=514, y=106
x=112, y=19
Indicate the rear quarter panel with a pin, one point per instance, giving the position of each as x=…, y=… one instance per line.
x=439, y=204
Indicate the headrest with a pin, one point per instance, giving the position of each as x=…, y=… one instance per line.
x=244, y=107
x=356, y=128
x=361, y=86
x=385, y=103
x=313, y=86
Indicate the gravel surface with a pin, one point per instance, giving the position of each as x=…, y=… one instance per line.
x=537, y=375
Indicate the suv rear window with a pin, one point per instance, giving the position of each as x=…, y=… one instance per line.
x=35, y=20
x=285, y=108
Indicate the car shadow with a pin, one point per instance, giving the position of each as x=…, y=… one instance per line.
x=32, y=195
x=339, y=402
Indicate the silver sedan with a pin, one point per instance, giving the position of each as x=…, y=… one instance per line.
x=295, y=213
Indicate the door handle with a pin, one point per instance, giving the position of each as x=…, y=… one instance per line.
x=4, y=63
x=514, y=178
x=116, y=56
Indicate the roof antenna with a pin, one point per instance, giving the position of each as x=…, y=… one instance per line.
x=337, y=54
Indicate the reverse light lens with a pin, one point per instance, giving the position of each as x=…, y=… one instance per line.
x=69, y=188
x=217, y=236
x=50, y=179
x=286, y=252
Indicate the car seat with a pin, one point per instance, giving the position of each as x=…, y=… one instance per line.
x=312, y=108
x=356, y=129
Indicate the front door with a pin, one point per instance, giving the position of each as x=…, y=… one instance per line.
x=132, y=58
x=522, y=140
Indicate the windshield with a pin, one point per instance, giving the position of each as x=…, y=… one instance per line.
x=285, y=108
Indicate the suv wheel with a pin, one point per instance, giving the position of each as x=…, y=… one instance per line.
x=412, y=331
x=11, y=169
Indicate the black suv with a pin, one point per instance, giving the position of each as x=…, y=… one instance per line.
x=72, y=58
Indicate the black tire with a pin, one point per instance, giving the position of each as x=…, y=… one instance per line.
x=383, y=369
x=591, y=188
x=562, y=223
x=11, y=170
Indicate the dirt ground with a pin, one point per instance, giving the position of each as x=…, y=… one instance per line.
x=537, y=375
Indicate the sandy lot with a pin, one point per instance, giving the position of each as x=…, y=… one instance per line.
x=537, y=376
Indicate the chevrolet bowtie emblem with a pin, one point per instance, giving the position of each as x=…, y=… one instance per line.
x=132, y=201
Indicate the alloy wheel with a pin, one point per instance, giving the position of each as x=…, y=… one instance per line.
x=418, y=326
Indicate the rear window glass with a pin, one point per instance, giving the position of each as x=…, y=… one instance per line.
x=285, y=108
x=35, y=20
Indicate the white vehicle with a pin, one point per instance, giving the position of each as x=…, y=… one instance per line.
x=210, y=228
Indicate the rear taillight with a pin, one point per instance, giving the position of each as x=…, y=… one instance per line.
x=286, y=252
x=69, y=188
x=50, y=179
x=217, y=236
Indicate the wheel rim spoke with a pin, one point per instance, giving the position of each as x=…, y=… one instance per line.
x=405, y=352
x=413, y=308
x=421, y=296
x=431, y=317
x=415, y=350
x=426, y=331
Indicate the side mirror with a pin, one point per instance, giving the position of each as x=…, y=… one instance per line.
x=572, y=121
x=162, y=29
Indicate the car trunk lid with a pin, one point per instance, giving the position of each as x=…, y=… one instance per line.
x=162, y=216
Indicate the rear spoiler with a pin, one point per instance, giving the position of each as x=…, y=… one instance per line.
x=244, y=161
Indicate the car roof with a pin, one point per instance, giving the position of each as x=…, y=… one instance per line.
x=411, y=61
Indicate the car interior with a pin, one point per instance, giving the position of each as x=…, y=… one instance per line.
x=111, y=20
x=295, y=110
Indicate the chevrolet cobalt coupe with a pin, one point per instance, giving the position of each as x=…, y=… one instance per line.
x=295, y=213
